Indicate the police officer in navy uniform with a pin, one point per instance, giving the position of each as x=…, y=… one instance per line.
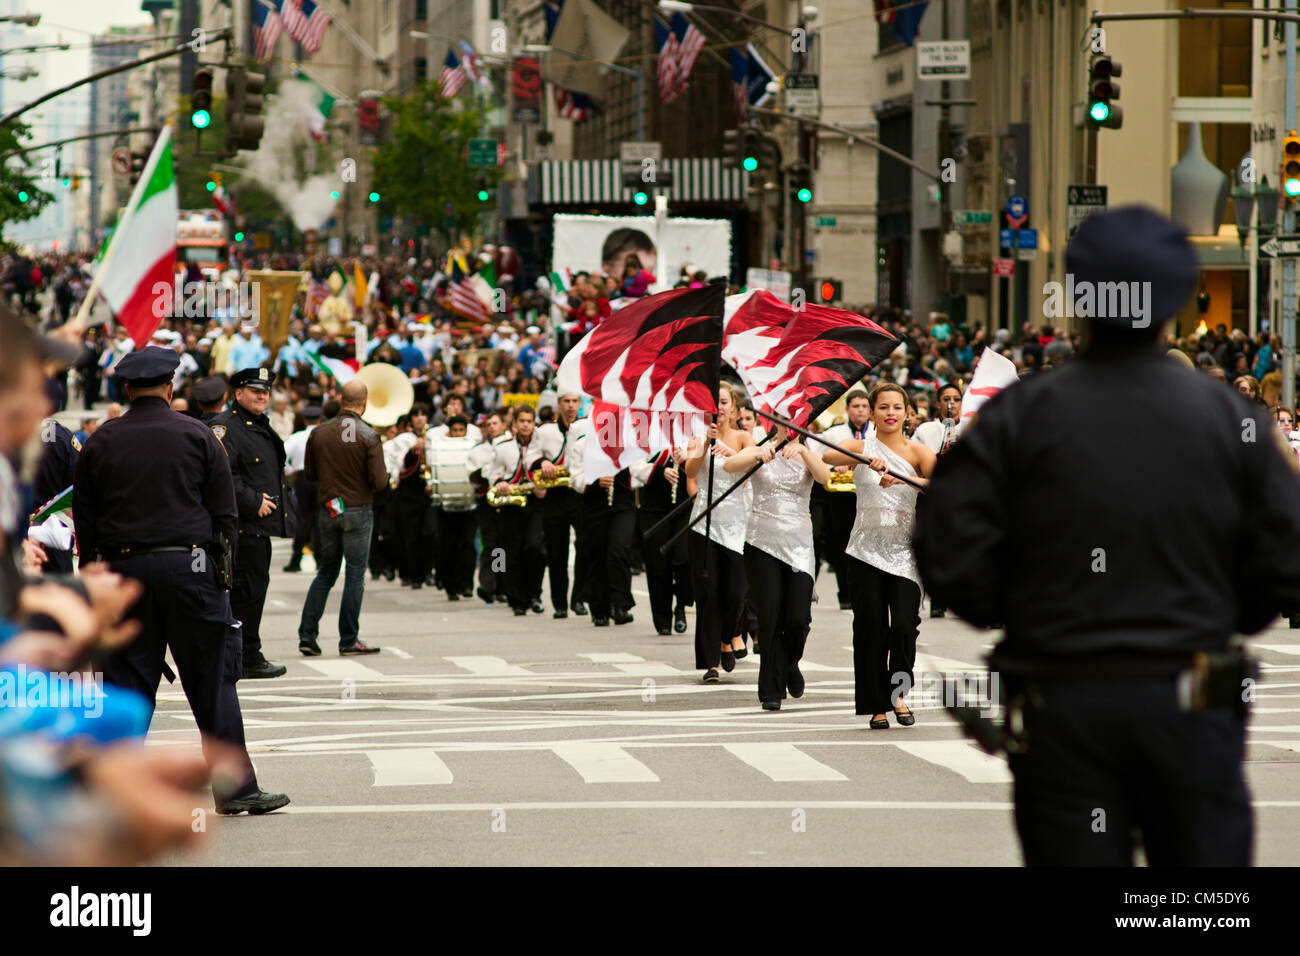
x=154, y=498
x=1123, y=518
x=54, y=473
x=261, y=493
x=210, y=395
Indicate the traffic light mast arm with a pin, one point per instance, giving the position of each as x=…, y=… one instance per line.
x=112, y=70
x=74, y=139
x=857, y=137
x=1186, y=14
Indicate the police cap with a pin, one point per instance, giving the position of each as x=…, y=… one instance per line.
x=311, y=412
x=210, y=390
x=1133, y=245
x=147, y=367
x=253, y=378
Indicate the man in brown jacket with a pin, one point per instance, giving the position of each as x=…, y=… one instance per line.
x=346, y=460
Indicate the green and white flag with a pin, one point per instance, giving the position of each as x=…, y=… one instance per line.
x=60, y=502
x=318, y=109
x=336, y=369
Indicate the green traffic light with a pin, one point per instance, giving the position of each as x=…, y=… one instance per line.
x=750, y=164
x=374, y=197
x=66, y=182
x=239, y=237
x=804, y=194
x=483, y=195
x=1291, y=187
x=640, y=198
x=22, y=195
x=201, y=119
x=1099, y=111
x=334, y=194
x=211, y=186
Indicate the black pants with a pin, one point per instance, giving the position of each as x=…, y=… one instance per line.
x=606, y=549
x=456, y=550
x=305, y=492
x=718, y=579
x=562, y=510
x=248, y=593
x=90, y=385
x=1106, y=760
x=414, y=544
x=383, y=552
x=668, y=576
x=782, y=599
x=839, y=512
x=521, y=535
x=886, y=620
x=186, y=611
x=490, y=578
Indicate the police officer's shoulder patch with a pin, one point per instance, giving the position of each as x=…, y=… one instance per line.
x=219, y=431
x=75, y=444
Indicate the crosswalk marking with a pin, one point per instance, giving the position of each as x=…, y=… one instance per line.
x=342, y=670
x=961, y=757
x=604, y=763
x=489, y=666
x=612, y=658
x=1280, y=648
x=784, y=763
x=408, y=768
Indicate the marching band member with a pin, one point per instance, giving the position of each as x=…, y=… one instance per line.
x=605, y=544
x=717, y=561
x=412, y=520
x=840, y=506
x=562, y=507
x=491, y=582
x=779, y=562
x=521, y=526
x=455, y=512
x=668, y=576
x=885, y=585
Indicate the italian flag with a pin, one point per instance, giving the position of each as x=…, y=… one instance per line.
x=141, y=254
x=319, y=106
x=60, y=502
x=337, y=369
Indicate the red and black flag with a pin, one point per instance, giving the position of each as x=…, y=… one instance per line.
x=796, y=362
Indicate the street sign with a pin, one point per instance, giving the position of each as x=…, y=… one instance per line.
x=1017, y=211
x=1027, y=239
x=826, y=220
x=632, y=156
x=483, y=153
x=802, y=94
x=1280, y=247
x=1006, y=238
x=972, y=217
x=122, y=161
x=943, y=60
x=1080, y=203
x=1004, y=268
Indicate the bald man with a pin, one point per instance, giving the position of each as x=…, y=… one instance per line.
x=346, y=460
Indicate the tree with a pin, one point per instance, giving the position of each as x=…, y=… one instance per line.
x=17, y=177
x=424, y=166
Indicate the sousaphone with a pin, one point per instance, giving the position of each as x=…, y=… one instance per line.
x=390, y=394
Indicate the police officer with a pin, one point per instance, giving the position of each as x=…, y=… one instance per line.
x=54, y=473
x=210, y=395
x=1180, y=527
x=257, y=466
x=155, y=500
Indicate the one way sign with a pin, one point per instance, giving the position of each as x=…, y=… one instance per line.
x=1280, y=247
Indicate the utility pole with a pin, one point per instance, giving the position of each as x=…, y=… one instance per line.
x=1289, y=223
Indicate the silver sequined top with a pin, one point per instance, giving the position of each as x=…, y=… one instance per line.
x=882, y=530
x=727, y=525
x=780, y=522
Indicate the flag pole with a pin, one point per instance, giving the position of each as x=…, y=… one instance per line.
x=842, y=450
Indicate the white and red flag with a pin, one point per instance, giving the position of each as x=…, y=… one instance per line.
x=993, y=373
x=796, y=362
x=652, y=369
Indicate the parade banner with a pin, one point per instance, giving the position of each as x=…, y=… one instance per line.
x=276, y=292
x=521, y=398
x=526, y=85
x=600, y=244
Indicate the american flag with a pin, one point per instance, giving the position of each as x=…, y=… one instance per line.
x=470, y=59
x=571, y=105
x=452, y=77
x=666, y=44
x=690, y=41
x=317, y=292
x=462, y=299
x=266, y=29
x=305, y=22
x=740, y=82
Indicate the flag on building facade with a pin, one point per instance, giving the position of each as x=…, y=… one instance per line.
x=573, y=106
x=452, y=77
x=472, y=68
x=666, y=44
x=305, y=22
x=740, y=82
x=147, y=233
x=757, y=76
x=266, y=29
x=690, y=41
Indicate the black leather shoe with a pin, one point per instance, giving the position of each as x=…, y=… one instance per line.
x=711, y=676
x=579, y=609
x=560, y=614
x=904, y=720
x=467, y=593
x=453, y=596
x=1295, y=620
x=487, y=598
x=771, y=705
x=521, y=612
x=263, y=669
x=622, y=617
x=742, y=653
x=309, y=648
x=881, y=724
x=357, y=649
x=663, y=631
x=291, y=568
x=728, y=661
x=538, y=607
x=416, y=585
x=600, y=621
x=390, y=575
x=679, y=621
x=254, y=803
x=794, y=682
x=936, y=612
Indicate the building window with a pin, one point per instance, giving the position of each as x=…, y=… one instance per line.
x=421, y=69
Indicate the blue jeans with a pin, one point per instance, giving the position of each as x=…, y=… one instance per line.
x=344, y=537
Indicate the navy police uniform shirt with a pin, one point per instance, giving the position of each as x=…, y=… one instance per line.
x=151, y=478
x=1121, y=503
x=58, y=464
x=257, y=465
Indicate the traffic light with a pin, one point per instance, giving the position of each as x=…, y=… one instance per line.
x=1291, y=165
x=22, y=195
x=334, y=194
x=239, y=237
x=1102, y=88
x=483, y=194
x=244, y=120
x=829, y=290
x=373, y=197
x=139, y=157
x=201, y=98
x=741, y=147
x=801, y=183
x=642, y=190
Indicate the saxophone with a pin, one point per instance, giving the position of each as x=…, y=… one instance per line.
x=516, y=496
x=561, y=479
